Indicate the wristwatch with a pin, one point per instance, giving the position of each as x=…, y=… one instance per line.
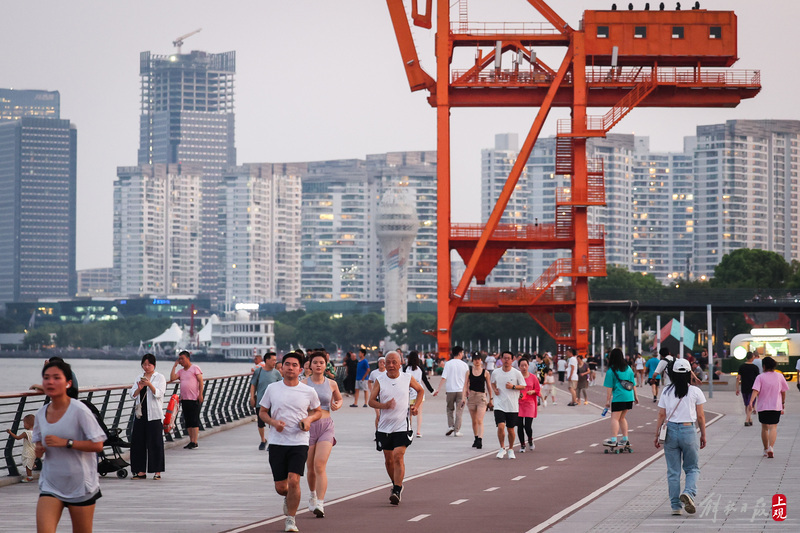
x=70, y=443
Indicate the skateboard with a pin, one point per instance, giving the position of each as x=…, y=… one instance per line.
x=619, y=448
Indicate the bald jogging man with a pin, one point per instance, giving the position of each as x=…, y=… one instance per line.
x=390, y=395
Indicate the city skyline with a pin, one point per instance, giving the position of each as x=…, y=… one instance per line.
x=314, y=82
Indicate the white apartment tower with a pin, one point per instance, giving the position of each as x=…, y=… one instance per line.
x=663, y=212
x=338, y=241
x=157, y=230
x=260, y=220
x=496, y=164
x=748, y=177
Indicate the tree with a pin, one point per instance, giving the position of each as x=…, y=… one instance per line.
x=398, y=333
x=751, y=269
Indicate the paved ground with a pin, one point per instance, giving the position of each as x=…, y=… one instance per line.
x=226, y=484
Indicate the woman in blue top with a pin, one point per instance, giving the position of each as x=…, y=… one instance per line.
x=618, y=398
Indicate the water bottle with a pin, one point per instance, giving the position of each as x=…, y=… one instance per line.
x=605, y=412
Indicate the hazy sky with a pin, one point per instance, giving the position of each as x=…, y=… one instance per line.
x=318, y=79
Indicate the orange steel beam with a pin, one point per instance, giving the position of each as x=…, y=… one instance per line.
x=418, y=79
x=443, y=269
x=551, y=16
x=511, y=182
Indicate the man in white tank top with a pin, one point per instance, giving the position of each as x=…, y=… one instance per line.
x=391, y=396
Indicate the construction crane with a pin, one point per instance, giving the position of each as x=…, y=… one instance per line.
x=616, y=59
x=178, y=42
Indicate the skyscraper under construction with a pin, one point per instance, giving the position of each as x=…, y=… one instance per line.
x=187, y=116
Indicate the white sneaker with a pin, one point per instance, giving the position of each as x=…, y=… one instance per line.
x=458, y=434
x=285, y=507
x=501, y=453
x=290, y=524
x=319, y=510
x=677, y=512
x=312, y=504
x=545, y=403
x=511, y=454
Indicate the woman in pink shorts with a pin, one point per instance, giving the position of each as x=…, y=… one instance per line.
x=321, y=433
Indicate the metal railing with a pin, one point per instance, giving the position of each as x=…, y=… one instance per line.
x=225, y=399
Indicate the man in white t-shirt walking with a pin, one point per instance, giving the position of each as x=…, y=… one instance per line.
x=289, y=407
x=507, y=382
x=572, y=376
x=390, y=395
x=453, y=377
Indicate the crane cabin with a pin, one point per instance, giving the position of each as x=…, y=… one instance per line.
x=665, y=38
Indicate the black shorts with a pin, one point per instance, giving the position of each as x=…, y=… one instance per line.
x=390, y=441
x=653, y=381
x=286, y=459
x=769, y=417
x=260, y=422
x=621, y=406
x=191, y=413
x=509, y=419
x=85, y=503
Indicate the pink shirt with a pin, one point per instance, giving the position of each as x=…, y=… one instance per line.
x=769, y=386
x=527, y=402
x=190, y=387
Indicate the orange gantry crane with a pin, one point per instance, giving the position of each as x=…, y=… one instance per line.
x=615, y=59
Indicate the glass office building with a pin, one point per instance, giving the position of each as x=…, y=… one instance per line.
x=37, y=208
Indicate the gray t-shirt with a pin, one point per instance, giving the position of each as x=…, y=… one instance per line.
x=68, y=474
x=262, y=379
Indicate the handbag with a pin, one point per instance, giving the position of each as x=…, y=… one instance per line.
x=627, y=385
x=662, y=432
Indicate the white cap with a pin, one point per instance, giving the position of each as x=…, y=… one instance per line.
x=681, y=366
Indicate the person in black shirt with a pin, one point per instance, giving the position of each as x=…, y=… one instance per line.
x=744, y=381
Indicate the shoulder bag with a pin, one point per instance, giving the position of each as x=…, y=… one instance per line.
x=662, y=431
x=627, y=385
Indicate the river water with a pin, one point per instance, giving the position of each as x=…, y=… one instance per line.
x=17, y=375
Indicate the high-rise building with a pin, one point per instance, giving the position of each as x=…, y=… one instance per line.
x=187, y=117
x=339, y=244
x=340, y=249
x=746, y=194
x=496, y=164
x=38, y=183
x=663, y=212
x=157, y=230
x=261, y=223
x=15, y=104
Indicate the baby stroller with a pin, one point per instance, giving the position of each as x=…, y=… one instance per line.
x=113, y=463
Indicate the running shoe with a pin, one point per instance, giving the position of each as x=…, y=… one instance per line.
x=396, y=495
x=262, y=446
x=312, y=504
x=290, y=524
x=501, y=453
x=511, y=454
x=688, y=503
x=611, y=443
x=521, y=448
x=458, y=434
x=531, y=446
x=450, y=431
x=677, y=512
x=770, y=453
x=319, y=510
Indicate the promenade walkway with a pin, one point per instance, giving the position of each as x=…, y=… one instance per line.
x=226, y=485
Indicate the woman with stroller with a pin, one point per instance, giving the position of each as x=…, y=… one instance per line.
x=67, y=434
x=147, y=437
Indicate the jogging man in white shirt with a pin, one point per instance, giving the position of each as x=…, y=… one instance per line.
x=390, y=395
x=289, y=407
x=507, y=383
